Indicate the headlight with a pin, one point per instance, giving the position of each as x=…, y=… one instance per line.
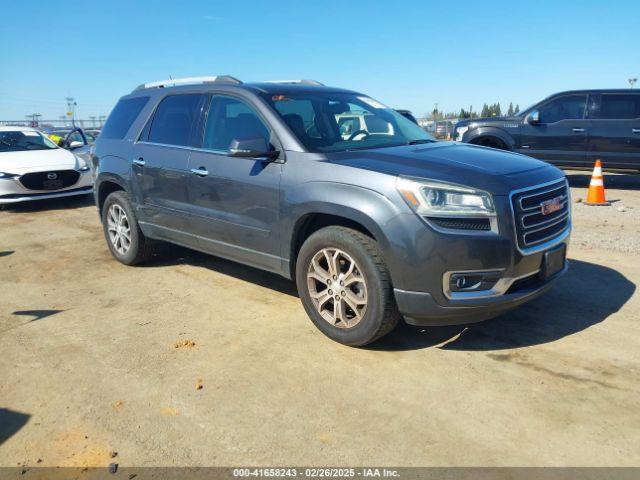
x=436, y=199
x=460, y=131
x=82, y=164
x=7, y=175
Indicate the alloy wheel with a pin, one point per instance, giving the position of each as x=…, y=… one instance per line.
x=337, y=287
x=119, y=229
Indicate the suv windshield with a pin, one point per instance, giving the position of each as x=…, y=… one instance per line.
x=338, y=122
x=21, y=140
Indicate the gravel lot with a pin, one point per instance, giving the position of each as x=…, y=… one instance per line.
x=193, y=360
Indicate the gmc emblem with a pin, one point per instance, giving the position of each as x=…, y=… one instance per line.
x=551, y=206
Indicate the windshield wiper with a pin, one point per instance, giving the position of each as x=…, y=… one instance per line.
x=422, y=140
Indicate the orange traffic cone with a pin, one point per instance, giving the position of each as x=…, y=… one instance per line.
x=595, y=195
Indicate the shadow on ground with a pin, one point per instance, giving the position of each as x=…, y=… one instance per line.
x=614, y=181
x=49, y=204
x=588, y=294
x=168, y=255
x=10, y=423
x=36, y=314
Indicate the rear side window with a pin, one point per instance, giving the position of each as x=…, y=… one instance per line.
x=122, y=116
x=619, y=107
x=174, y=119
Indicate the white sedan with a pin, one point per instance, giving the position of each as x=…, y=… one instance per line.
x=32, y=167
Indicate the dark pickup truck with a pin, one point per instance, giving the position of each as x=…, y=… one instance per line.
x=568, y=129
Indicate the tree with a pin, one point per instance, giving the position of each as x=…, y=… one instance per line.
x=517, y=110
x=510, y=110
x=485, y=111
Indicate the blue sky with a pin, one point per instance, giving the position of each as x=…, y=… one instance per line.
x=407, y=54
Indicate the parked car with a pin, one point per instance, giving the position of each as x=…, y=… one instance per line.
x=33, y=167
x=371, y=227
x=568, y=129
x=444, y=129
x=354, y=124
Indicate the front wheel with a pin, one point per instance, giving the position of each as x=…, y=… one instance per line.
x=126, y=241
x=345, y=287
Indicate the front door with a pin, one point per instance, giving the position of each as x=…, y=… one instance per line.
x=560, y=137
x=161, y=162
x=615, y=132
x=235, y=201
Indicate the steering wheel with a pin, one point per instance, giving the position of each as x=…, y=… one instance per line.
x=358, y=132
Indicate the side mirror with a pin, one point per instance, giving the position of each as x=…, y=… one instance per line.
x=75, y=144
x=534, y=117
x=252, y=148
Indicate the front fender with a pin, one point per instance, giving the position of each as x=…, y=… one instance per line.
x=112, y=169
x=490, y=132
x=374, y=211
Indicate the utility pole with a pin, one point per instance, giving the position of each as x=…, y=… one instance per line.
x=632, y=82
x=71, y=109
x=33, y=119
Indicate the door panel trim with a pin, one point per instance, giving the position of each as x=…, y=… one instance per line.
x=247, y=256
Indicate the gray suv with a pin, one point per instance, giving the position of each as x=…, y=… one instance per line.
x=373, y=226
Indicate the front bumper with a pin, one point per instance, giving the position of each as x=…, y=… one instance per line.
x=421, y=309
x=12, y=191
x=420, y=267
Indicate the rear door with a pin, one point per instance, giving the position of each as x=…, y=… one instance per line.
x=615, y=130
x=235, y=201
x=561, y=135
x=161, y=162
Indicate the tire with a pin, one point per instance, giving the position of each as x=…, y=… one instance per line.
x=491, y=142
x=138, y=248
x=367, y=286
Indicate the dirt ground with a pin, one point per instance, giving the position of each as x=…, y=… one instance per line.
x=193, y=360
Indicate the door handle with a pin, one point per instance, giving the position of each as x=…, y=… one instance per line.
x=635, y=130
x=139, y=162
x=201, y=172
x=578, y=130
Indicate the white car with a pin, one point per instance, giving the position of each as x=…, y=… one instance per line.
x=32, y=167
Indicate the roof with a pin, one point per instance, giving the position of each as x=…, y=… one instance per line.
x=285, y=87
x=598, y=90
x=20, y=128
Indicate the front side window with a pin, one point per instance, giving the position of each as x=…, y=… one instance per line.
x=570, y=107
x=338, y=122
x=620, y=107
x=122, y=116
x=23, y=140
x=231, y=119
x=174, y=119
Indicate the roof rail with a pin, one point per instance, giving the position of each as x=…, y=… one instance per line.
x=188, y=81
x=302, y=82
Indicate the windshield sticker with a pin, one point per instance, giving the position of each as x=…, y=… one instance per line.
x=28, y=133
x=372, y=103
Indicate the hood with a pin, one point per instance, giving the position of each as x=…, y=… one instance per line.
x=467, y=121
x=495, y=171
x=37, y=160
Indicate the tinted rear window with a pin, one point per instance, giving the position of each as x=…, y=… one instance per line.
x=122, y=116
x=620, y=106
x=174, y=119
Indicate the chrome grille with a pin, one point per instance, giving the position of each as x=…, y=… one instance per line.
x=533, y=226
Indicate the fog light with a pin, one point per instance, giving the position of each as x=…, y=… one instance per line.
x=473, y=281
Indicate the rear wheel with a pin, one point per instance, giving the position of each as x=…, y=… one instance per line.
x=126, y=241
x=345, y=286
